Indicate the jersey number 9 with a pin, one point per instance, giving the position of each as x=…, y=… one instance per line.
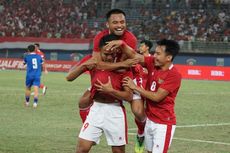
x=35, y=63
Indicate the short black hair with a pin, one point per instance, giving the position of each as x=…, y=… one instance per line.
x=147, y=43
x=114, y=11
x=31, y=48
x=107, y=38
x=37, y=44
x=172, y=47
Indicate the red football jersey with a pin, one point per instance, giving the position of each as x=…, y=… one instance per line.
x=102, y=75
x=170, y=80
x=39, y=52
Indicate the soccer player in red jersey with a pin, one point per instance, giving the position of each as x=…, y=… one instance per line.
x=144, y=49
x=107, y=114
x=162, y=87
x=39, y=52
x=116, y=24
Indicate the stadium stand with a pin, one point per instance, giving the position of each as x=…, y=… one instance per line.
x=190, y=21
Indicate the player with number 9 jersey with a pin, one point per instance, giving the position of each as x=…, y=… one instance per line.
x=34, y=68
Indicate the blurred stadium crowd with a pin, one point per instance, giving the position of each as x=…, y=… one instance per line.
x=204, y=20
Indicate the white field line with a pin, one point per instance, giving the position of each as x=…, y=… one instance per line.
x=203, y=141
x=195, y=140
x=202, y=125
x=195, y=125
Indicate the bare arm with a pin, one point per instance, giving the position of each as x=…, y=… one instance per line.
x=105, y=65
x=77, y=70
x=157, y=96
x=44, y=67
x=130, y=53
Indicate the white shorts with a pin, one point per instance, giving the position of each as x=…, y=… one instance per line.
x=108, y=118
x=158, y=137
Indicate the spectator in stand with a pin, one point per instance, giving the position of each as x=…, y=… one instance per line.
x=60, y=20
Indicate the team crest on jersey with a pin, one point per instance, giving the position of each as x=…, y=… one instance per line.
x=160, y=81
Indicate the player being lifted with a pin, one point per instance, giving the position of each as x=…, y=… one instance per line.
x=107, y=114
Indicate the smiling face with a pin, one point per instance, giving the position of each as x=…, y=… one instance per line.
x=161, y=57
x=116, y=24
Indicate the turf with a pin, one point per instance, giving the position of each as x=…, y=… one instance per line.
x=202, y=108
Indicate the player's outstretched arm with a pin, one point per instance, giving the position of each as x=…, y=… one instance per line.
x=77, y=70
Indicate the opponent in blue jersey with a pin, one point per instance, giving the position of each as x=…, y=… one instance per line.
x=33, y=74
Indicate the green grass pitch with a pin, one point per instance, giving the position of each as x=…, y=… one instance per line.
x=202, y=108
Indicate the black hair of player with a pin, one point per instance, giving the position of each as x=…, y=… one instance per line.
x=147, y=43
x=31, y=48
x=37, y=44
x=114, y=11
x=171, y=47
x=105, y=39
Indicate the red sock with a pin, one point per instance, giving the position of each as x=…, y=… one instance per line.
x=140, y=126
x=84, y=113
x=41, y=86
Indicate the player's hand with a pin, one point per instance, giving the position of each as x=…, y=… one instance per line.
x=130, y=62
x=107, y=87
x=113, y=45
x=127, y=81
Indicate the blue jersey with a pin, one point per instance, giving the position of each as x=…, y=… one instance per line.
x=34, y=65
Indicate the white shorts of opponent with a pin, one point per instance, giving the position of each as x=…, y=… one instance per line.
x=158, y=137
x=108, y=118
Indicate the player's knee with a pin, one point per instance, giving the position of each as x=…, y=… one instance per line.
x=138, y=113
x=84, y=102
